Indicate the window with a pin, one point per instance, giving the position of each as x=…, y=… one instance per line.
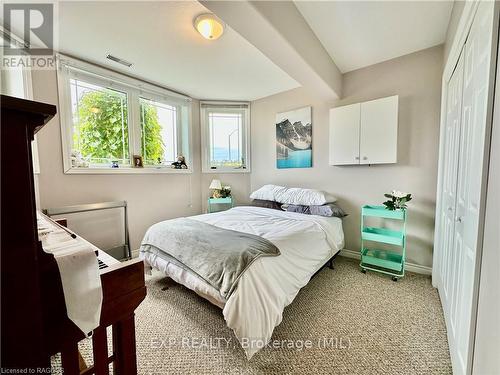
x=225, y=137
x=100, y=124
x=107, y=119
x=158, y=132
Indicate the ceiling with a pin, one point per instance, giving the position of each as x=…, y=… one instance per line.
x=161, y=42
x=158, y=37
x=357, y=34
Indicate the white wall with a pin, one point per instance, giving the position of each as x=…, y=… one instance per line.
x=416, y=78
x=12, y=82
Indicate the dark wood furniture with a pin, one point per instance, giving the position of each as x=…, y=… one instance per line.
x=34, y=324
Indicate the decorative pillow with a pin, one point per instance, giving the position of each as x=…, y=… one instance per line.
x=330, y=209
x=295, y=196
x=296, y=208
x=266, y=204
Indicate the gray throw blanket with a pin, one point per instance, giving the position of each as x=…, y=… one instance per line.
x=218, y=256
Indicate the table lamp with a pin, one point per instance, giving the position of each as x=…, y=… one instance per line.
x=216, y=186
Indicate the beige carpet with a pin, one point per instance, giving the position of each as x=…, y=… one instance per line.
x=356, y=323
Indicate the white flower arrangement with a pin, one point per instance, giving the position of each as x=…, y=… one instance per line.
x=397, y=200
x=225, y=192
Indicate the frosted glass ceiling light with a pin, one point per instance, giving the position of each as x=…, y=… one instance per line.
x=209, y=26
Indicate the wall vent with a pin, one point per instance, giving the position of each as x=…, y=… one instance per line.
x=119, y=61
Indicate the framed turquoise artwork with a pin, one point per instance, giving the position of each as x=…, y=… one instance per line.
x=294, y=139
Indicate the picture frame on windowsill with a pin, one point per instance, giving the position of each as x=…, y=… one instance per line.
x=138, y=163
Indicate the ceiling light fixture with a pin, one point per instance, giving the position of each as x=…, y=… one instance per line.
x=209, y=26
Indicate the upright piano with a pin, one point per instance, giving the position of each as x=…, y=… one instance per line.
x=34, y=322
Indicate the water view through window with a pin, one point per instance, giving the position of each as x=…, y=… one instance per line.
x=226, y=139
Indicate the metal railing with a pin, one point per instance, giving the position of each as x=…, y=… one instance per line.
x=96, y=207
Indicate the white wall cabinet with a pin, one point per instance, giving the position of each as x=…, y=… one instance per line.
x=364, y=133
x=344, y=134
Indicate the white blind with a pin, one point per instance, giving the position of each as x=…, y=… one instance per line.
x=225, y=105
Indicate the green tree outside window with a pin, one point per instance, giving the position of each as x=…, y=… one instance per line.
x=102, y=129
x=152, y=146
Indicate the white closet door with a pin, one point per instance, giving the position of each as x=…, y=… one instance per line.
x=379, y=131
x=474, y=120
x=344, y=135
x=464, y=144
x=451, y=143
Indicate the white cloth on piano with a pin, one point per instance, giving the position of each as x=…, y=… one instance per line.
x=79, y=270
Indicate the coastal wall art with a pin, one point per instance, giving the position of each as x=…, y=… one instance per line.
x=294, y=139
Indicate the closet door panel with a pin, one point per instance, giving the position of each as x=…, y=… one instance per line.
x=447, y=235
x=463, y=148
x=473, y=131
x=456, y=283
x=447, y=244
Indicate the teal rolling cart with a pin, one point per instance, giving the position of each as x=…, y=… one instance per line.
x=384, y=261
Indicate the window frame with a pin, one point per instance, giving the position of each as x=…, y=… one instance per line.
x=216, y=106
x=69, y=68
x=178, y=123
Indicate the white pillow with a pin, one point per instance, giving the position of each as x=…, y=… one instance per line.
x=304, y=197
x=298, y=196
x=267, y=192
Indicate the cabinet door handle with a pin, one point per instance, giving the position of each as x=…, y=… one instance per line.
x=365, y=158
x=458, y=219
x=357, y=158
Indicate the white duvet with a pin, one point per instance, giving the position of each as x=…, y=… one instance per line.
x=256, y=306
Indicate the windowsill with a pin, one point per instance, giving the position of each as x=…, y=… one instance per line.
x=224, y=171
x=128, y=170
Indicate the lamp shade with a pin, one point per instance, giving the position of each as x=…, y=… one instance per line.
x=215, y=184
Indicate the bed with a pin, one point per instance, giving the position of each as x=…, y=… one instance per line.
x=255, y=307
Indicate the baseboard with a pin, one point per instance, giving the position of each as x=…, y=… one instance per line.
x=412, y=267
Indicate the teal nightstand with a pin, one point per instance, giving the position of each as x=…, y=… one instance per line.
x=228, y=202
